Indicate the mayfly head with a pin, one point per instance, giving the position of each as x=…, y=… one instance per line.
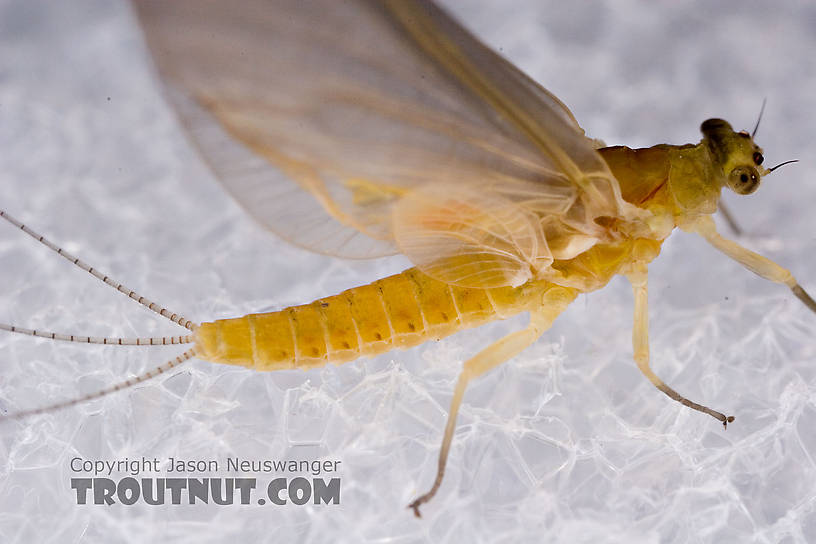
x=737, y=159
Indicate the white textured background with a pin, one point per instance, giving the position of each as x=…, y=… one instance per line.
x=566, y=443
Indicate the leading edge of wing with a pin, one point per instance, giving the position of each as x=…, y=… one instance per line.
x=536, y=112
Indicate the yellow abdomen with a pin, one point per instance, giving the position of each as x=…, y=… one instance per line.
x=399, y=311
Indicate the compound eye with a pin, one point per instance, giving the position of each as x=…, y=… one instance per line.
x=758, y=158
x=743, y=180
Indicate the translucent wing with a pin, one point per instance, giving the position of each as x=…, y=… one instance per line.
x=391, y=116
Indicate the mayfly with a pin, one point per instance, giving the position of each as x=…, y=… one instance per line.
x=370, y=128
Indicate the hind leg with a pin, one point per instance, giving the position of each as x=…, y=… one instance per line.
x=555, y=301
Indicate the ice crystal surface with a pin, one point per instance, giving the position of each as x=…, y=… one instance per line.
x=565, y=443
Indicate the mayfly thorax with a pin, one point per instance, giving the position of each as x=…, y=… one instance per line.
x=410, y=136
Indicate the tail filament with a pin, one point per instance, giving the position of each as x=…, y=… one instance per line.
x=146, y=341
x=174, y=317
x=189, y=354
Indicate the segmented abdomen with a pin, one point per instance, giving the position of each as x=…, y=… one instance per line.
x=398, y=311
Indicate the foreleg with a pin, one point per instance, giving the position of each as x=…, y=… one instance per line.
x=756, y=263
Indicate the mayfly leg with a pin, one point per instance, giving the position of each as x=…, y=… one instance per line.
x=729, y=218
x=756, y=263
x=555, y=300
x=639, y=278
x=492, y=356
x=141, y=341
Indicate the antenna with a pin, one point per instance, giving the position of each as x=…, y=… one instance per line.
x=761, y=110
x=781, y=164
